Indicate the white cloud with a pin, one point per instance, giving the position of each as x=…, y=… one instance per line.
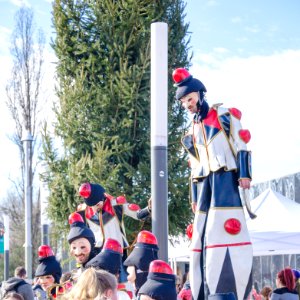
x=266, y=90
x=20, y=3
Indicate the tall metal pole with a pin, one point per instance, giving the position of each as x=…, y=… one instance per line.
x=44, y=195
x=159, y=137
x=27, y=142
x=6, y=247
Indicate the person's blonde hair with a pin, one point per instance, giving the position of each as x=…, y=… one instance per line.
x=92, y=283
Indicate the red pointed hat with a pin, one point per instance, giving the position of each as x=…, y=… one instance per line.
x=92, y=193
x=185, y=83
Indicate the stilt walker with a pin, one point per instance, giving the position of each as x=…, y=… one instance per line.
x=221, y=251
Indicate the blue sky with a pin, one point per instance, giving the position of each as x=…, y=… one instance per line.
x=247, y=53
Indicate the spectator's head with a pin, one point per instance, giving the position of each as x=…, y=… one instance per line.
x=20, y=272
x=13, y=296
x=94, y=284
x=266, y=292
x=81, y=239
x=285, y=278
x=49, y=270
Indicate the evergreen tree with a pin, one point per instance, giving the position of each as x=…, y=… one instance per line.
x=103, y=117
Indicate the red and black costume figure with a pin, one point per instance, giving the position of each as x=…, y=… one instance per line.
x=109, y=259
x=48, y=265
x=108, y=221
x=160, y=284
x=79, y=231
x=221, y=257
x=144, y=252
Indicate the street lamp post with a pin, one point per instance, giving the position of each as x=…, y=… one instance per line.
x=27, y=143
x=159, y=135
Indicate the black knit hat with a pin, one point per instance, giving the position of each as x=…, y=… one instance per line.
x=79, y=230
x=92, y=193
x=186, y=83
x=144, y=252
x=109, y=259
x=160, y=284
x=48, y=264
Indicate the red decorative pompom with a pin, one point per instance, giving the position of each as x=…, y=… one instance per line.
x=235, y=112
x=45, y=251
x=160, y=266
x=146, y=237
x=232, y=226
x=75, y=217
x=89, y=212
x=134, y=207
x=85, y=190
x=180, y=74
x=121, y=200
x=189, y=231
x=113, y=245
x=245, y=135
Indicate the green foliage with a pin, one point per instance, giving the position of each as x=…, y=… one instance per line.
x=103, y=116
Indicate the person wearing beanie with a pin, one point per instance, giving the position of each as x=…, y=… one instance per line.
x=297, y=281
x=138, y=261
x=104, y=215
x=82, y=243
x=160, y=284
x=285, y=283
x=110, y=260
x=221, y=256
x=48, y=272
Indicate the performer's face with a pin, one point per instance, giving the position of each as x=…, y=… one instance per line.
x=80, y=249
x=46, y=281
x=189, y=102
x=98, y=206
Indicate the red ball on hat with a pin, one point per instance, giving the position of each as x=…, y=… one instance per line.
x=160, y=266
x=85, y=190
x=180, y=74
x=45, y=251
x=146, y=237
x=113, y=245
x=75, y=217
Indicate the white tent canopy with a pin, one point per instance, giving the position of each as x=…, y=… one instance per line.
x=276, y=230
